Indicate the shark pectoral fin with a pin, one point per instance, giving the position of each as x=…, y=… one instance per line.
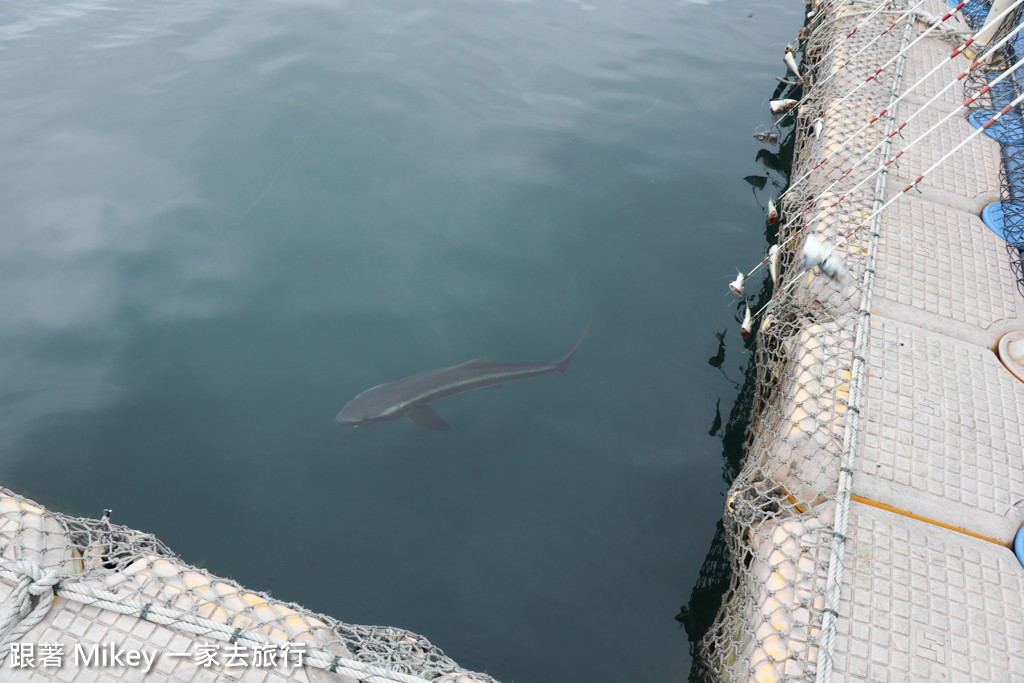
x=424, y=416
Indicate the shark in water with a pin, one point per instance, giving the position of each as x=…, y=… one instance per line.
x=410, y=397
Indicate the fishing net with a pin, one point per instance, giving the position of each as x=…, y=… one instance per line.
x=992, y=94
x=785, y=516
x=82, y=594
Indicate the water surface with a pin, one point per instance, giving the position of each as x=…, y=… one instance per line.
x=224, y=220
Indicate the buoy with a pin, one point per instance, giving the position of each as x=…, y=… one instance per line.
x=747, y=324
x=773, y=213
x=1018, y=545
x=737, y=285
x=1011, y=352
x=779, y=106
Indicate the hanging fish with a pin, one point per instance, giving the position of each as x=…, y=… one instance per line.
x=791, y=61
x=779, y=106
x=804, y=33
x=766, y=322
x=773, y=213
x=773, y=264
x=816, y=128
x=771, y=137
x=747, y=324
x=831, y=263
x=737, y=285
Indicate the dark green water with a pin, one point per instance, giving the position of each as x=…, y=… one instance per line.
x=222, y=221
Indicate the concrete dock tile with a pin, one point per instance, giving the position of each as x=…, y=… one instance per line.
x=96, y=633
x=970, y=172
x=977, y=500
x=90, y=611
x=79, y=626
x=966, y=290
x=923, y=58
x=943, y=639
x=87, y=676
x=62, y=617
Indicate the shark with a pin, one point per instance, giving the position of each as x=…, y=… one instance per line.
x=410, y=397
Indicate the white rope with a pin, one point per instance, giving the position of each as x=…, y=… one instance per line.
x=859, y=52
x=24, y=574
x=901, y=53
x=797, y=218
x=981, y=58
x=976, y=132
x=32, y=584
x=910, y=145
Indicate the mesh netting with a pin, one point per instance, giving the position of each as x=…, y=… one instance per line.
x=82, y=582
x=1009, y=130
x=785, y=514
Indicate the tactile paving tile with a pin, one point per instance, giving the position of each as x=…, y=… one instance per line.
x=74, y=625
x=922, y=603
x=971, y=171
x=941, y=431
x=946, y=263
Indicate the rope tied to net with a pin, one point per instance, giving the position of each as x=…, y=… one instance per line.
x=28, y=603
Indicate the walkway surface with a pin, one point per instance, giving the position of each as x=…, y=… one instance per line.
x=931, y=590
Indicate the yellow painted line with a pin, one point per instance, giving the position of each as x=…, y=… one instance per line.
x=797, y=507
x=926, y=520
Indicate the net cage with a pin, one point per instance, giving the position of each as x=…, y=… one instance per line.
x=785, y=514
x=77, y=590
x=1003, y=88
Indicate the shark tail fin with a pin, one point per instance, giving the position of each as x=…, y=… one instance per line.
x=563, y=364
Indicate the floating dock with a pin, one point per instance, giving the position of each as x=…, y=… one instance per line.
x=88, y=601
x=872, y=526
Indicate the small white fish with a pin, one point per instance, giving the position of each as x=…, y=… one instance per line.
x=816, y=128
x=767, y=322
x=773, y=213
x=737, y=285
x=779, y=106
x=831, y=263
x=770, y=137
x=747, y=324
x=773, y=264
x=791, y=61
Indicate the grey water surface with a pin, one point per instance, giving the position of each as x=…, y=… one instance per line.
x=223, y=220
